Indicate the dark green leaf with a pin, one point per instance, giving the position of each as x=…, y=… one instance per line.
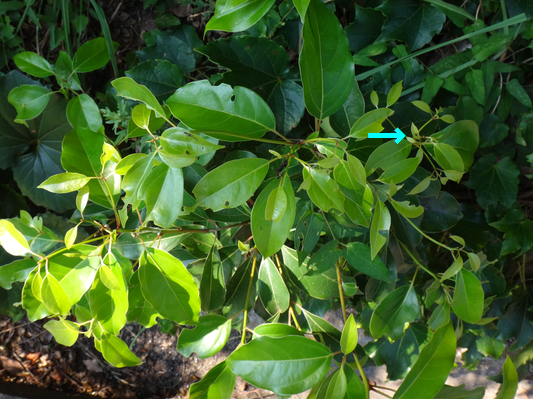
x=387, y=155
x=516, y=323
x=307, y=234
x=287, y=365
x=140, y=310
x=352, y=109
x=326, y=62
x=176, y=48
x=440, y=213
x=237, y=289
x=212, y=285
x=161, y=77
x=359, y=258
x=207, y=338
x=518, y=231
x=15, y=271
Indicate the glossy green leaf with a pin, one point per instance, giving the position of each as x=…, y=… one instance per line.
x=275, y=330
x=207, y=338
x=64, y=331
x=371, y=122
x=29, y=100
x=323, y=190
x=337, y=386
x=222, y=112
x=162, y=191
x=400, y=171
x=270, y=235
x=218, y=383
x=236, y=15
x=455, y=268
x=287, y=365
x=64, y=183
x=276, y=205
x=212, y=285
x=510, y=381
x=451, y=392
x=379, y=230
x=349, y=336
x=387, y=155
x=116, y=352
x=54, y=296
x=406, y=209
x=128, y=88
x=272, y=289
x=432, y=368
x=134, y=178
x=178, y=141
x=393, y=313
x=463, y=136
x=231, y=184
x=359, y=258
x=352, y=109
x=468, y=297
x=65, y=74
x=70, y=237
x=440, y=316
x=237, y=289
x=33, y=64
x=35, y=309
x=169, y=287
x=448, y=158
x=18, y=270
x=394, y=94
x=325, y=62
x=307, y=233
x=82, y=112
x=91, y=55
x=12, y=240
x=140, y=310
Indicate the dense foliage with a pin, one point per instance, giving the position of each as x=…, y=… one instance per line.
x=239, y=175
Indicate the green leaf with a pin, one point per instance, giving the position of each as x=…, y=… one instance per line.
x=455, y=268
x=29, y=100
x=449, y=160
x=432, y=368
x=358, y=256
x=349, y=336
x=397, y=309
x=431, y=88
x=270, y=235
x=135, y=177
x=352, y=109
x=218, y=383
x=371, y=122
x=231, y=184
x=222, y=112
x=35, y=308
x=237, y=289
x=510, y=381
x=64, y=183
x=18, y=270
x=517, y=91
x=490, y=46
x=161, y=77
x=400, y=171
x=463, y=136
x=495, y=181
x=337, y=386
x=70, y=237
x=490, y=346
x=212, y=285
x=91, y=55
x=450, y=392
x=287, y=365
x=12, y=240
x=394, y=94
x=178, y=141
x=275, y=330
x=116, y=352
x=379, y=230
x=128, y=88
x=162, y=191
x=412, y=22
x=261, y=65
x=440, y=316
x=207, y=338
x=82, y=112
x=65, y=74
x=140, y=310
x=53, y=295
x=468, y=297
x=276, y=205
x=387, y=155
x=440, y=213
x=272, y=289
x=406, y=209
x=516, y=323
x=169, y=287
x=325, y=62
x=518, y=231
x=65, y=332
x=33, y=64
x=323, y=190
x=307, y=233
x=236, y=16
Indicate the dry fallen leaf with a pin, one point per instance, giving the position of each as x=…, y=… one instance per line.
x=13, y=367
x=92, y=365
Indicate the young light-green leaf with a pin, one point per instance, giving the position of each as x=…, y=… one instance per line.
x=128, y=88
x=325, y=62
x=116, y=352
x=12, y=240
x=54, y=296
x=371, y=122
x=323, y=190
x=64, y=331
x=64, y=182
x=70, y=237
x=236, y=15
x=349, y=336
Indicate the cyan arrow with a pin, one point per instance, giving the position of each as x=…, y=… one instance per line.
x=398, y=135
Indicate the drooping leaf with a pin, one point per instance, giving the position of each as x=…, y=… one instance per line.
x=212, y=285
x=231, y=184
x=222, y=112
x=325, y=62
x=116, y=352
x=53, y=295
x=169, y=287
x=237, y=289
x=381, y=222
x=468, y=297
x=236, y=16
x=272, y=289
x=390, y=317
x=207, y=338
x=140, y=310
x=270, y=235
x=287, y=365
x=64, y=331
x=432, y=368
